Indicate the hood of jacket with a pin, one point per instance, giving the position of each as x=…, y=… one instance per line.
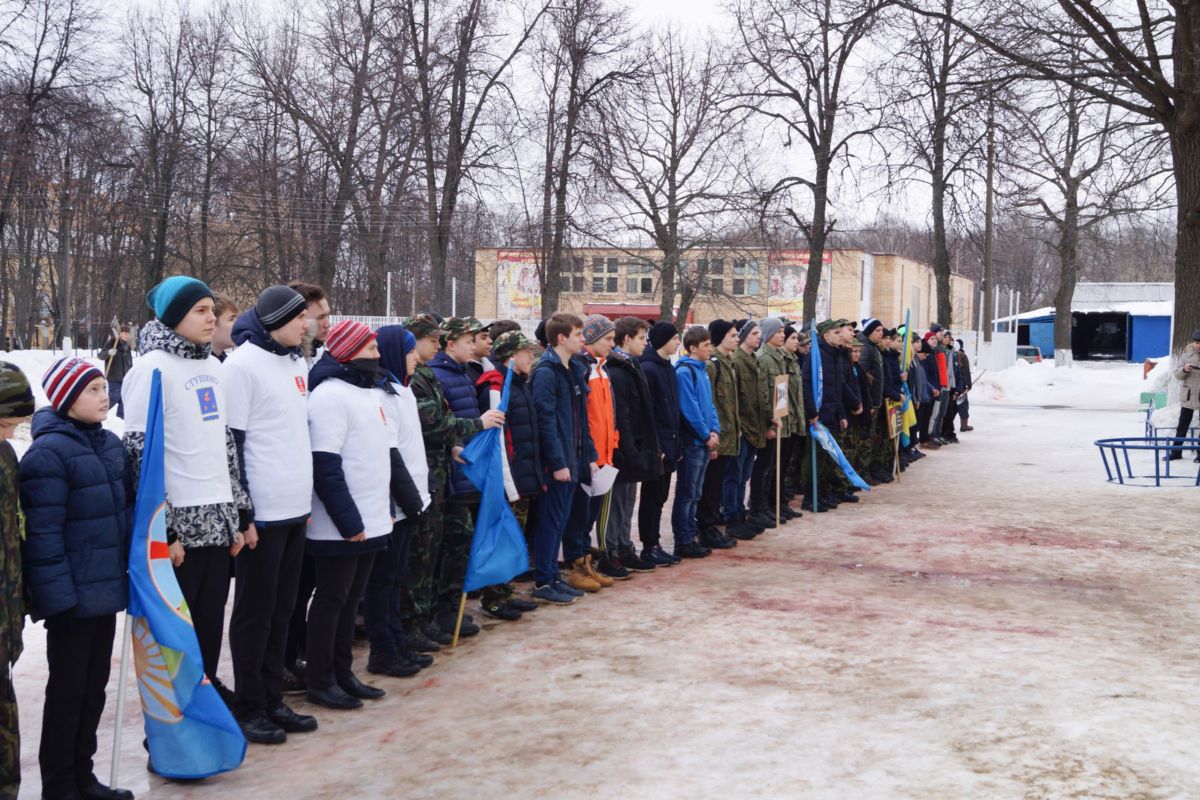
x=395, y=343
x=248, y=329
x=47, y=421
x=157, y=336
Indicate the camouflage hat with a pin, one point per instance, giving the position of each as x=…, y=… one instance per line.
x=855, y=344
x=16, y=398
x=422, y=326
x=828, y=325
x=509, y=344
x=804, y=337
x=475, y=325
x=455, y=327
x=842, y=323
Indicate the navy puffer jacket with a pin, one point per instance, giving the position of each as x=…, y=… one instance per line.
x=460, y=394
x=520, y=428
x=74, y=487
x=560, y=397
x=664, y=395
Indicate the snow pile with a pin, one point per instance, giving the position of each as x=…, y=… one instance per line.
x=1159, y=378
x=1165, y=417
x=1086, y=384
x=34, y=364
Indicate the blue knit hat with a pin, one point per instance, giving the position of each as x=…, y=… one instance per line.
x=395, y=343
x=174, y=297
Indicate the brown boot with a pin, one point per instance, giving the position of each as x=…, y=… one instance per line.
x=595, y=575
x=966, y=425
x=579, y=576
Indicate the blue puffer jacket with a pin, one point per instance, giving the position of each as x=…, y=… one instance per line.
x=560, y=397
x=460, y=394
x=74, y=485
x=520, y=428
x=664, y=395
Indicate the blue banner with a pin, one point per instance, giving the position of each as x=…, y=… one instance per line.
x=818, y=383
x=189, y=730
x=824, y=438
x=498, y=551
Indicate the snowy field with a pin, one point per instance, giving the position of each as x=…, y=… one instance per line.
x=1002, y=623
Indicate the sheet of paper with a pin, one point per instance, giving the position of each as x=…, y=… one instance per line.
x=602, y=481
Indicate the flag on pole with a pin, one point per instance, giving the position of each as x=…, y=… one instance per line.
x=189, y=731
x=908, y=412
x=820, y=433
x=498, y=551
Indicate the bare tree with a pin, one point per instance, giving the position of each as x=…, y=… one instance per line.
x=670, y=155
x=800, y=70
x=1077, y=163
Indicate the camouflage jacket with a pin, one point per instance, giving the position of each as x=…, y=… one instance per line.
x=754, y=414
x=442, y=430
x=12, y=605
x=725, y=397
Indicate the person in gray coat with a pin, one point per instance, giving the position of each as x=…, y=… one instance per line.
x=1188, y=373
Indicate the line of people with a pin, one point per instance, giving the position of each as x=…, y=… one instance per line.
x=320, y=465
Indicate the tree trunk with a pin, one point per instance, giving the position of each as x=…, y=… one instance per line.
x=1185, y=153
x=816, y=241
x=941, y=255
x=670, y=272
x=1068, y=254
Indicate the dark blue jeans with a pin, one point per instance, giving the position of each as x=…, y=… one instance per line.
x=687, y=492
x=115, y=404
x=737, y=472
x=554, y=509
x=585, y=510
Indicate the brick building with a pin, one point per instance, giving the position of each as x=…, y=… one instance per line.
x=730, y=282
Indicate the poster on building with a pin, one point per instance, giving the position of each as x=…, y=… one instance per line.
x=518, y=293
x=787, y=273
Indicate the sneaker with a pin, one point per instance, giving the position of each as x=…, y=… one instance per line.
x=521, y=604
x=560, y=585
x=549, y=594
x=502, y=610
x=436, y=633
x=691, y=550
x=610, y=566
x=659, y=557
x=740, y=530
x=715, y=540
x=763, y=519
x=293, y=683
x=631, y=561
x=848, y=497
x=418, y=642
x=601, y=578
x=388, y=664
x=578, y=577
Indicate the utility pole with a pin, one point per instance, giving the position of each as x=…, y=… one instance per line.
x=64, y=247
x=987, y=219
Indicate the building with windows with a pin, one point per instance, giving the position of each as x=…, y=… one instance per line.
x=723, y=282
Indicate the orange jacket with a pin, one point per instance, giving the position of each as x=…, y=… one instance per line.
x=602, y=420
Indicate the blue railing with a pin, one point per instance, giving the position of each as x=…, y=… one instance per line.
x=1162, y=447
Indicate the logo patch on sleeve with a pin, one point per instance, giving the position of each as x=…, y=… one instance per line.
x=300, y=385
x=208, y=404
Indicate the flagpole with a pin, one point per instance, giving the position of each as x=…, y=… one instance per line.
x=778, y=465
x=462, y=607
x=815, y=502
x=123, y=673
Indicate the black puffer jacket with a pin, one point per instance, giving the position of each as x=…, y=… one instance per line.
x=638, y=456
x=664, y=396
x=520, y=428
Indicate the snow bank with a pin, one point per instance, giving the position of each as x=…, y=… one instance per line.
x=1083, y=385
x=1159, y=378
x=34, y=364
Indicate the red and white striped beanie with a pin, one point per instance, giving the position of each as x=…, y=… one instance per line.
x=65, y=379
x=346, y=338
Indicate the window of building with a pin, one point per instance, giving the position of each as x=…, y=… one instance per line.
x=604, y=275
x=572, y=275
x=745, y=267
x=746, y=287
x=716, y=285
x=639, y=285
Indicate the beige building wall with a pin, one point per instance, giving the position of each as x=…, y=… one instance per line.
x=882, y=285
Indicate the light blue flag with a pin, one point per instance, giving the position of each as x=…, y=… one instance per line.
x=189, y=730
x=824, y=438
x=498, y=551
x=815, y=356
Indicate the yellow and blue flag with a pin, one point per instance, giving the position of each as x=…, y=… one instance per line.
x=498, y=551
x=189, y=731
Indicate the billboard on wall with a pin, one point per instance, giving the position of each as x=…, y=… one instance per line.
x=518, y=293
x=787, y=274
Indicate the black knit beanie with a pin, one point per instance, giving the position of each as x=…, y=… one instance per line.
x=661, y=333
x=718, y=329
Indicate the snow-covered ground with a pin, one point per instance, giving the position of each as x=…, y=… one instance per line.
x=1002, y=623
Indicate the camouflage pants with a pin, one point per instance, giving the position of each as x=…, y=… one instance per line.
x=417, y=602
x=830, y=480
x=457, y=531
x=10, y=739
x=884, y=457
x=502, y=591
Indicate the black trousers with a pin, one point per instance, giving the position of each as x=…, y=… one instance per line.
x=298, y=627
x=764, y=460
x=331, y=617
x=786, y=448
x=708, y=512
x=948, y=421
x=263, y=597
x=924, y=414
x=204, y=580
x=79, y=650
x=381, y=598
x=650, y=507
x=1181, y=429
